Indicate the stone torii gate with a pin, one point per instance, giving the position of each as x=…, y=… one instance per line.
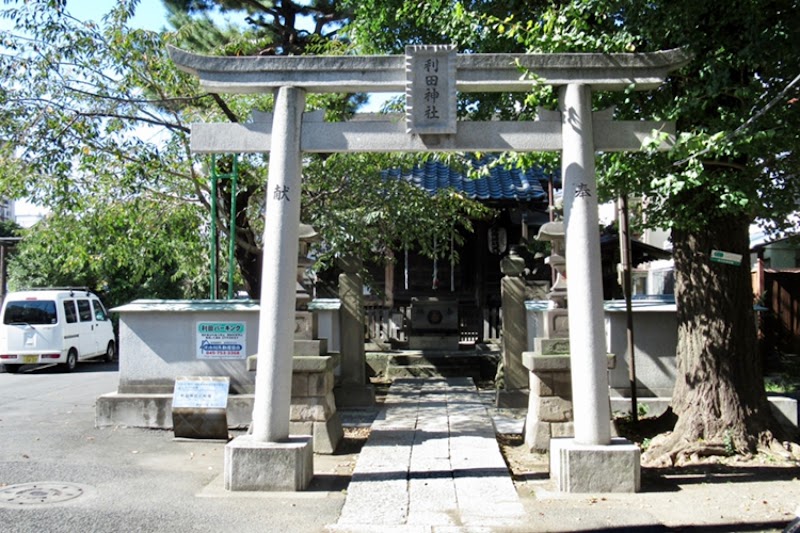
x=268, y=458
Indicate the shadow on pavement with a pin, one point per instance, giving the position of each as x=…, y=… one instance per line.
x=83, y=367
x=659, y=479
x=706, y=528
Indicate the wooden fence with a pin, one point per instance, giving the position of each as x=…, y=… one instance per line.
x=781, y=322
x=475, y=325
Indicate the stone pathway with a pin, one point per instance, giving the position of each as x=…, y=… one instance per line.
x=431, y=463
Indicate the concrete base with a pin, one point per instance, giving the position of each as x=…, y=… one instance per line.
x=327, y=435
x=785, y=411
x=354, y=396
x=511, y=398
x=268, y=466
x=154, y=411
x=197, y=423
x=594, y=468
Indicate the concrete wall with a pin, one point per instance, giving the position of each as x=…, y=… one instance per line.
x=158, y=342
x=655, y=337
x=655, y=329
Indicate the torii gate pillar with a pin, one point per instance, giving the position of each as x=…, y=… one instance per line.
x=592, y=461
x=290, y=460
x=585, y=288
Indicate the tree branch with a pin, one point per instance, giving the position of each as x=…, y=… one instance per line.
x=224, y=107
x=169, y=126
x=724, y=164
x=159, y=101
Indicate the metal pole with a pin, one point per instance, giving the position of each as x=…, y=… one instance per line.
x=627, y=286
x=232, y=226
x=3, y=272
x=213, y=252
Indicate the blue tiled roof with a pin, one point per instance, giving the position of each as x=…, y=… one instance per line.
x=500, y=184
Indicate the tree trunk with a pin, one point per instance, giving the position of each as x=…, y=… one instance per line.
x=719, y=395
x=246, y=252
x=250, y=269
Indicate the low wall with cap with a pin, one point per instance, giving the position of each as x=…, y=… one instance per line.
x=160, y=340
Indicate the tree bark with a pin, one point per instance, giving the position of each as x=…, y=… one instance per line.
x=719, y=395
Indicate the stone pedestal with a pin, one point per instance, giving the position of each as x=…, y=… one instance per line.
x=313, y=407
x=550, y=399
x=305, y=325
x=581, y=468
x=550, y=408
x=354, y=391
x=252, y=465
x=310, y=347
x=513, y=389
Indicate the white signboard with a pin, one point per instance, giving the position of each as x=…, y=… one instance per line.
x=200, y=392
x=221, y=340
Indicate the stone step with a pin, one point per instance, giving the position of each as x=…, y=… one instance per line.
x=411, y=363
x=432, y=357
x=432, y=371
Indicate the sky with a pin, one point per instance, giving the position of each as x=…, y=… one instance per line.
x=150, y=14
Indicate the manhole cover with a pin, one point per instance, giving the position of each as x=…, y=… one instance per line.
x=39, y=493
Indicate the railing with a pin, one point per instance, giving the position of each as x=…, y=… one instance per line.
x=384, y=325
x=475, y=325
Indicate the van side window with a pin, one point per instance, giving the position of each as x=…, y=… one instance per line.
x=84, y=310
x=99, y=311
x=69, y=311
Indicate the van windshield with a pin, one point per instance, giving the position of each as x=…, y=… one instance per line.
x=30, y=312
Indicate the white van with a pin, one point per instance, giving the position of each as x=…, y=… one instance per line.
x=46, y=326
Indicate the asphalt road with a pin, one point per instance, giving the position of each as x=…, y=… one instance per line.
x=58, y=473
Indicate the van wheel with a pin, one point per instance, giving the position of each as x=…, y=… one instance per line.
x=72, y=361
x=12, y=369
x=110, y=352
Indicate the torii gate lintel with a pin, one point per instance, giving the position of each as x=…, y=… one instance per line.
x=387, y=133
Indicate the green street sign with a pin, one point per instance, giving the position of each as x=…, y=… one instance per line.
x=727, y=258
